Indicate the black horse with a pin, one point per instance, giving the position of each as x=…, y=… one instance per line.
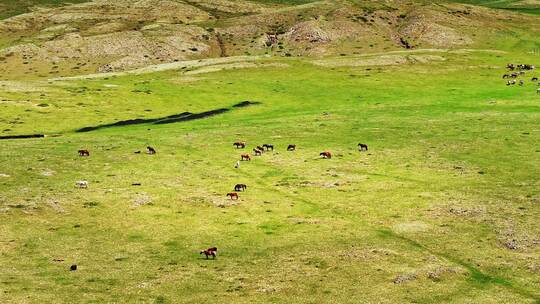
x=268, y=147
x=240, y=187
x=363, y=147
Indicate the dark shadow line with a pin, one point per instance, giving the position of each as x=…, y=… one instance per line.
x=22, y=136
x=182, y=117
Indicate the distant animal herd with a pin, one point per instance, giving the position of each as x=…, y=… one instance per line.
x=260, y=149
x=519, y=70
x=257, y=151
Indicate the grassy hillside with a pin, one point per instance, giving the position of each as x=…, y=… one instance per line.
x=121, y=35
x=9, y=8
x=443, y=207
x=530, y=7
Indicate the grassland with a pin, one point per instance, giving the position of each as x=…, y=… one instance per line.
x=9, y=8
x=428, y=215
x=530, y=7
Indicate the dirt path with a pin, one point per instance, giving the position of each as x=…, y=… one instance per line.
x=188, y=64
x=209, y=62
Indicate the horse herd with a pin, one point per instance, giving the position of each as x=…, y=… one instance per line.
x=86, y=153
x=259, y=150
x=521, y=68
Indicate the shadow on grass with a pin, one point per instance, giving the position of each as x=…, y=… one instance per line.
x=22, y=136
x=185, y=116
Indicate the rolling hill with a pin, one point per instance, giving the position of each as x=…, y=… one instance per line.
x=105, y=36
x=441, y=206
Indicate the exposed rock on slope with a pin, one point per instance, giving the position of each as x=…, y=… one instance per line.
x=104, y=35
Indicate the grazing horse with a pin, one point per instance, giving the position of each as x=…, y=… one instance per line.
x=239, y=145
x=151, y=150
x=245, y=157
x=209, y=252
x=525, y=67
x=291, y=147
x=325, y=154
x=537, y=91
x=362, y=147
x=510, y=82
x=81, y=184
x=240, y=187
x=268, y=147
x=506, y=76
x=233, y=195
x=260, y=149
x=84, y=153
x=510, y=66
x=257, y=152
x=237, y=165
x=521, y=82
x=534, y=79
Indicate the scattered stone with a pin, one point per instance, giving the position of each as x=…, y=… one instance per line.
x=141, y=200
x=404, y=278
x=56, y=206
x=511, y=244
x=47, y=173
x=266, y=289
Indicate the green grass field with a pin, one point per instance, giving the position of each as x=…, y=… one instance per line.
x=426, y=216
x=529, y=7
x=9, y=8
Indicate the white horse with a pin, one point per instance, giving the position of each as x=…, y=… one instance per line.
x=82, y=184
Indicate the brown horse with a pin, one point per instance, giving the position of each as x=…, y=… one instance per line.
x=326, y=154
x=209, y=252
x=257, y=152
x=151, y=150
x=239, y=145
x=291, y=147
x=84, y=153
x=245, y=157
x=362, y=147
x=233, y=195
x=240, y=187
x=260, y=149
x=268, y=147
